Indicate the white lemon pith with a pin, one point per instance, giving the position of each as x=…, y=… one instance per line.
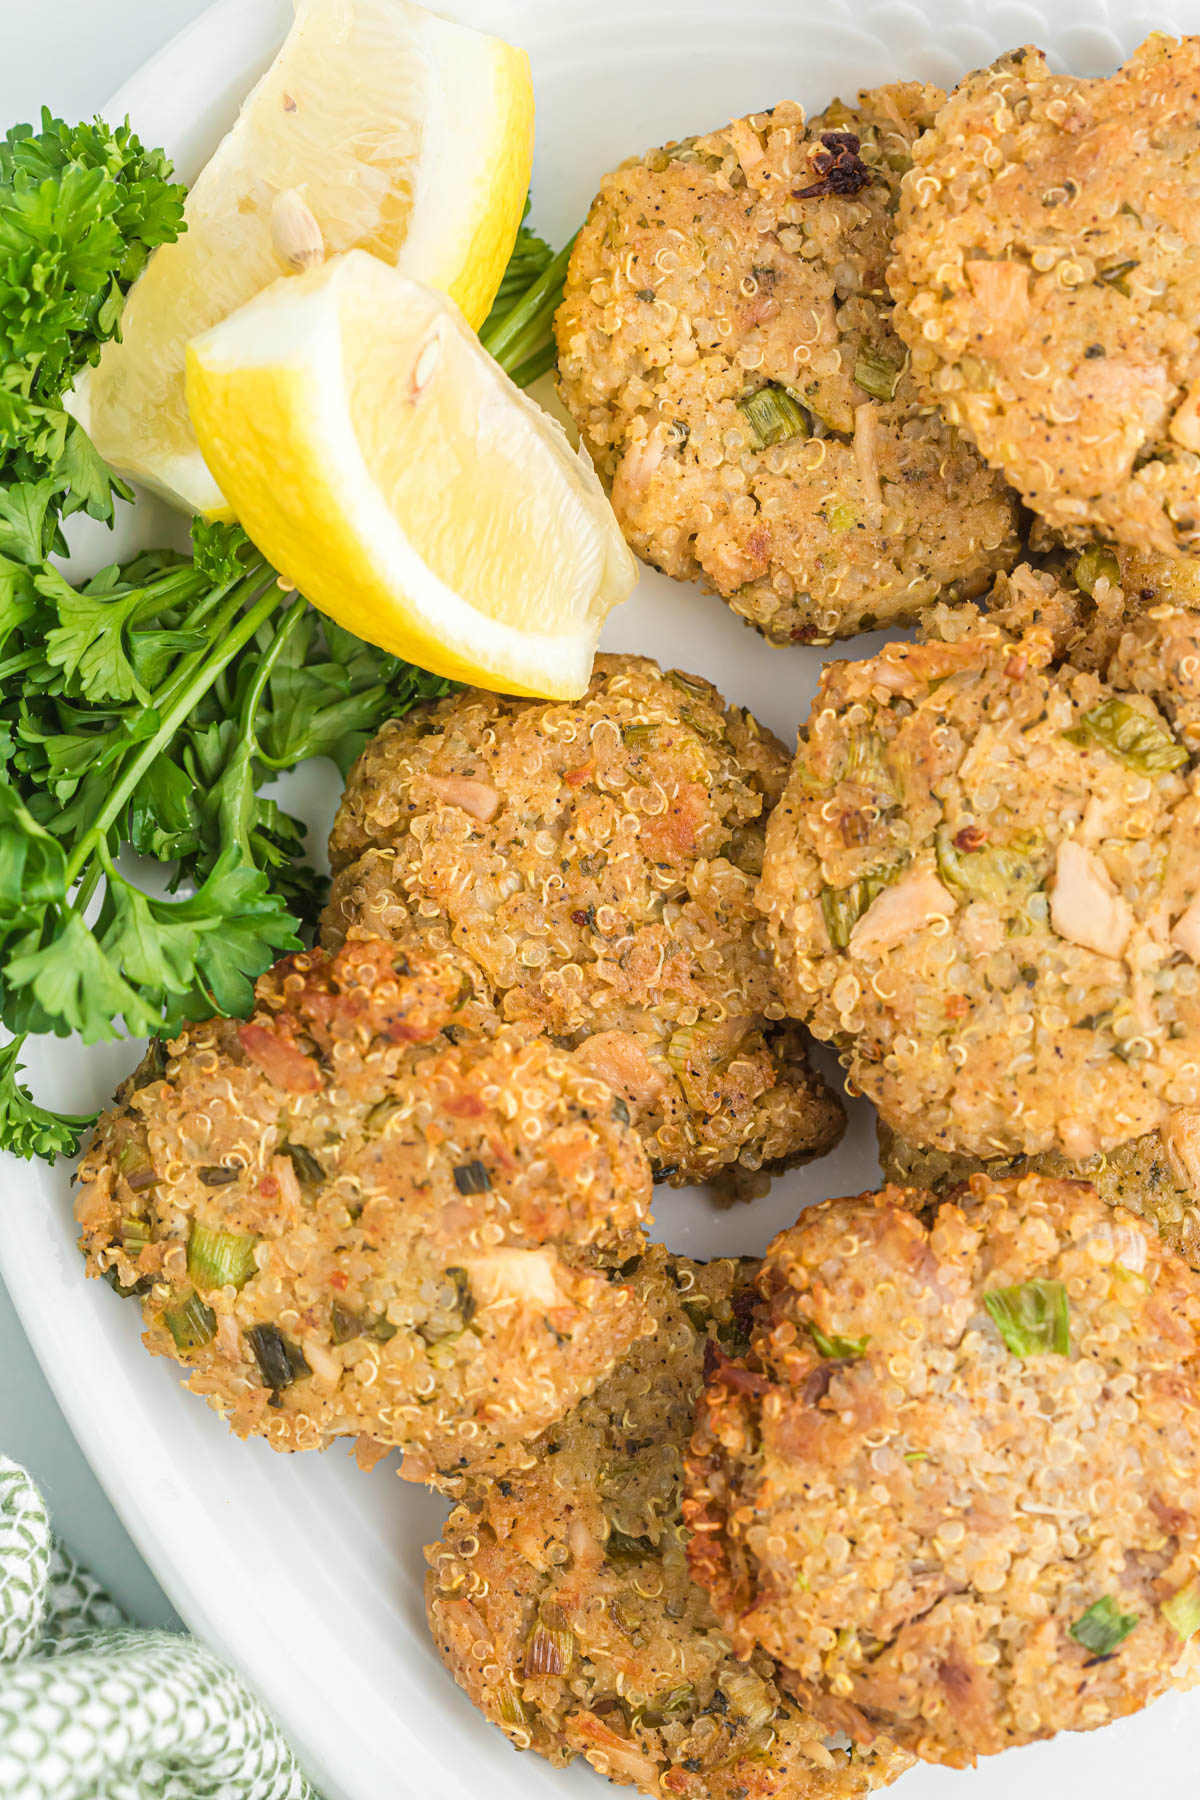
x=377, y=126
x=383, y=462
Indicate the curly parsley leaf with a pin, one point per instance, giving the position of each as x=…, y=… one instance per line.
x=81, y=208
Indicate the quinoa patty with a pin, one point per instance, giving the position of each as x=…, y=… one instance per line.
x=726, y=348
x=346, y=1217
x=955, y=1484
x=1156, y=1176
x=561, y=1603
x=983, y=882
x=596, y=861
x=1047, y=279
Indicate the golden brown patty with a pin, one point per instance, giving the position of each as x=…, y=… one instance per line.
x=595, y=860
x=983, y=882
x=560, y=1601
x=348, y=1217
x=726, y=348
x=1156, y=1176
x=1047, y=280
x=955, y=1484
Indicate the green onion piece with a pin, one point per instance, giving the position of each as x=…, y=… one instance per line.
x=551, y=1645
x=1033, y=1318
x=472, y=1178
x=844, y=907
x=623, y=1551
x=344, y=1325
x=217, y=1259
x=1182, y=1610
x=304, y=1162
x=842, y=1349
x=1095, y=564
x=468, y=1306
x=279, y=1362
x=540, y=363
x=993, y=871
x=841, y=517
x=217, y=1175
x=1101, y=1628
x=694, y=1052
x=697, y=1314
x=877, y=374
x=1114, y=275
x=135, y=1235
x=1137, y=741
x=510, y=1704
x=382, y=1330
x=191, y=1324
x=656, y=1712
x=513, y=339
x=774, y=417
x=141, y=1286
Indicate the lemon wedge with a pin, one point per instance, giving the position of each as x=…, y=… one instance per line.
x=377, y=126
x=391, y=470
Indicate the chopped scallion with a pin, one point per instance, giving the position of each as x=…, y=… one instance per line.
x=304, y=1162
x=877, y=374
x=279, y=1362
x=1095, y=564
x=844, y=907
x=510, y=1704
x=1128, y=734
x=1101, y=1628
x=774, y=416
x=217, y=1259
x=842, y=1349
x=551, y=1644
x=622, y=1550
x=191, y=1324
x=472, y=1178
x=1182, y=1610
x=1033, y=1318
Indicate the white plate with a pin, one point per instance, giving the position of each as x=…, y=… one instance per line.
x=304, y=1572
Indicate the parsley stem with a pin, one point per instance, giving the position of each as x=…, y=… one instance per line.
x=185, y=699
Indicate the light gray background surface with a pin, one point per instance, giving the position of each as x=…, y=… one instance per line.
x=70, y=55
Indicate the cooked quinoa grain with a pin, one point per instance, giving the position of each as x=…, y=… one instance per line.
x=1087, y=599
x=560, y=1601
x=726, y=348
x=348, y=1217
x=1046, y=282
x=1156, y=1176
x=596, y=861
x=983, y=883
x=955, y=1484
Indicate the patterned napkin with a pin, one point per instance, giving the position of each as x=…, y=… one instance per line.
x=93, y=1709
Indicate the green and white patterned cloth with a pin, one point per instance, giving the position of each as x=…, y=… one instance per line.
x=93, y=1709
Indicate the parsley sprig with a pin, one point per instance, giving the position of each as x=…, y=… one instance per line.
x=144, y=712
